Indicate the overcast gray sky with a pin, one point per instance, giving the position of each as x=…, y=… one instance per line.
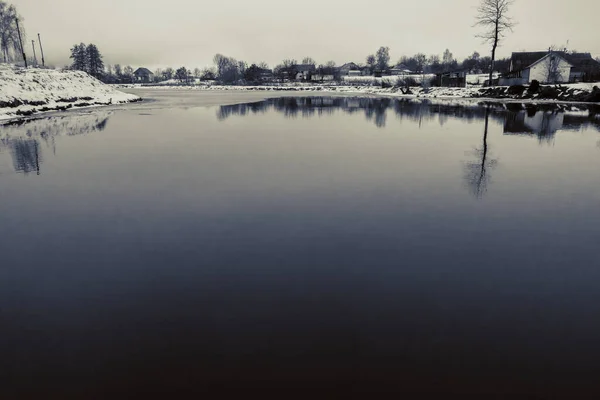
x=155, y=33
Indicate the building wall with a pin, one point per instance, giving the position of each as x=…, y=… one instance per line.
x=540, y=71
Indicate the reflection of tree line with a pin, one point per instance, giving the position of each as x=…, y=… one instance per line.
x=531, y=119
x=374, y=109
x=543, y=120
x=24, y=139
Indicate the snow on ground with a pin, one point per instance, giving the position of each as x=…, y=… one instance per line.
x=28, y=91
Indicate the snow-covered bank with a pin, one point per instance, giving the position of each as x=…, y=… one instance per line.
x=567, y=93
x=28, y=91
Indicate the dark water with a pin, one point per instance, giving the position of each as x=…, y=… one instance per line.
x=310, y=246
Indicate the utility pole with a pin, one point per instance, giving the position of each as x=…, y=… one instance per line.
x=21, y=42
x=34, y=56
x=42, y=50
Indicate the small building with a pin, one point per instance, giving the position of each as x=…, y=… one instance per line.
x=265, y=74
x=456, y=78
x=355, y=73
x=304, y=71
x=143, y=75
x=401, y=69
x=550, y=67
x=348, y=68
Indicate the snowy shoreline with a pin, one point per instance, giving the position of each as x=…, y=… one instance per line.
x=435, y=94
x=25, y=92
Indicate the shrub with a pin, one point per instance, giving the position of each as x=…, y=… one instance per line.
x=516, y=90
x=548, y=92
x=534, y=86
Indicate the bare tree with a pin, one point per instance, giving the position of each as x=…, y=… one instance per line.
x=492, y=16
x=9, y=34
x=371, y=61
x=551, y=68
x=309, y=61
x=263, y=65
x=383, y=58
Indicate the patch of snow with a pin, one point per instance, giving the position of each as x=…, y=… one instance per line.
x=33, y=90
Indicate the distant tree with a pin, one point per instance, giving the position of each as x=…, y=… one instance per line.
x=182, y=74
x=371, y=62
x=471, y=63
x=263, y=65
x=229, y=69
x=158, y=75
x=383, y=58
x=128, y=74
x=118, y=71
x=409, y=62
x=168, y=73
x=197, y=73
x=95, y=65
x=208, y=74
x=492, y=16
x=309, y=60
x=447, y=57
x=253, y=73
x=435, y=66
x=242, y=66
x=79, y=57
x=289, y=69
x=420, y=62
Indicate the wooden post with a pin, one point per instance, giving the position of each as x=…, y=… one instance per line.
x=42, y=51
x=21, y=42
x=34, y=56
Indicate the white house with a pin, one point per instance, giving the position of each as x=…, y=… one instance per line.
x=550, y=67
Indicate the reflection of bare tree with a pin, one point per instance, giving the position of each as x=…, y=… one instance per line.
x=26, y=154
x=21, y=137
x=477, y=173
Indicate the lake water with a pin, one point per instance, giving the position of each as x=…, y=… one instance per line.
x=345, y=244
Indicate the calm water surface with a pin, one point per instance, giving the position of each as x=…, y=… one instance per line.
x=349, y=244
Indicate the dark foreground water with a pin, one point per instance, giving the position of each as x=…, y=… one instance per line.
x=301, y=246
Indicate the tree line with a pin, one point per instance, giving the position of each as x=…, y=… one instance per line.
x=87, y=58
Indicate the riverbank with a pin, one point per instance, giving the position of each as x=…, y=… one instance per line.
x=568, y=93
x=25, y=92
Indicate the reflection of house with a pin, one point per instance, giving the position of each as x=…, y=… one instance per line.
x=550, y=67
x=541, y=123
x=304, y=71
x=143, y=75
x=452, y=78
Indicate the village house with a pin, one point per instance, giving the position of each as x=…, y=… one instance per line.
x=550, y=67
x=143, y=75
x=351, y=69
x=304, y=71
x=400, y=69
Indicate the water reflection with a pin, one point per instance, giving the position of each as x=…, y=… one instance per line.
x=477, y=173
x=23, y=139
x=540, y=120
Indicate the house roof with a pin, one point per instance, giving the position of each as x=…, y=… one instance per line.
x=522, y=60
x=350, y=66
x=143, y=71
